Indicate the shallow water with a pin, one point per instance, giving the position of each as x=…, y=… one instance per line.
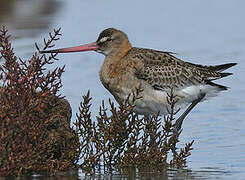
x=205, y=32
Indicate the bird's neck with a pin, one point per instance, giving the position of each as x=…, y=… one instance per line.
x=114, y=65
x=121, y=51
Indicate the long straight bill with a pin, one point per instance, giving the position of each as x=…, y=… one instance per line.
x=86, y=47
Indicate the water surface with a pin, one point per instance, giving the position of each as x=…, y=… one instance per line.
x=205, y=32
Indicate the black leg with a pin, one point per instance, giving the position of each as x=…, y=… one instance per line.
x=180, y=120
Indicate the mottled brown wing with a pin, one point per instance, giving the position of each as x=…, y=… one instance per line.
x=163, y=71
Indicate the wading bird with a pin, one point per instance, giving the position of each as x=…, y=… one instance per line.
x=128, y=68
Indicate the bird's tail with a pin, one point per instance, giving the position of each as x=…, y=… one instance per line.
x=222, y=67
x=220, y=87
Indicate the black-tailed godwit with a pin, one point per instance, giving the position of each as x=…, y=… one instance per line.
x=128, y=68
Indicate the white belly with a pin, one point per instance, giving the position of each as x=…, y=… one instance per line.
x=155, y=101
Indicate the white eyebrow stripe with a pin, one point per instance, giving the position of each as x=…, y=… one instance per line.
x=103, y=39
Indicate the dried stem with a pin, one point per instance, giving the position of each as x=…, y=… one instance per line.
x=120, y=137
x=30, y=110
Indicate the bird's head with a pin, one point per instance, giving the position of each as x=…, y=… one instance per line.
x=110, y=42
